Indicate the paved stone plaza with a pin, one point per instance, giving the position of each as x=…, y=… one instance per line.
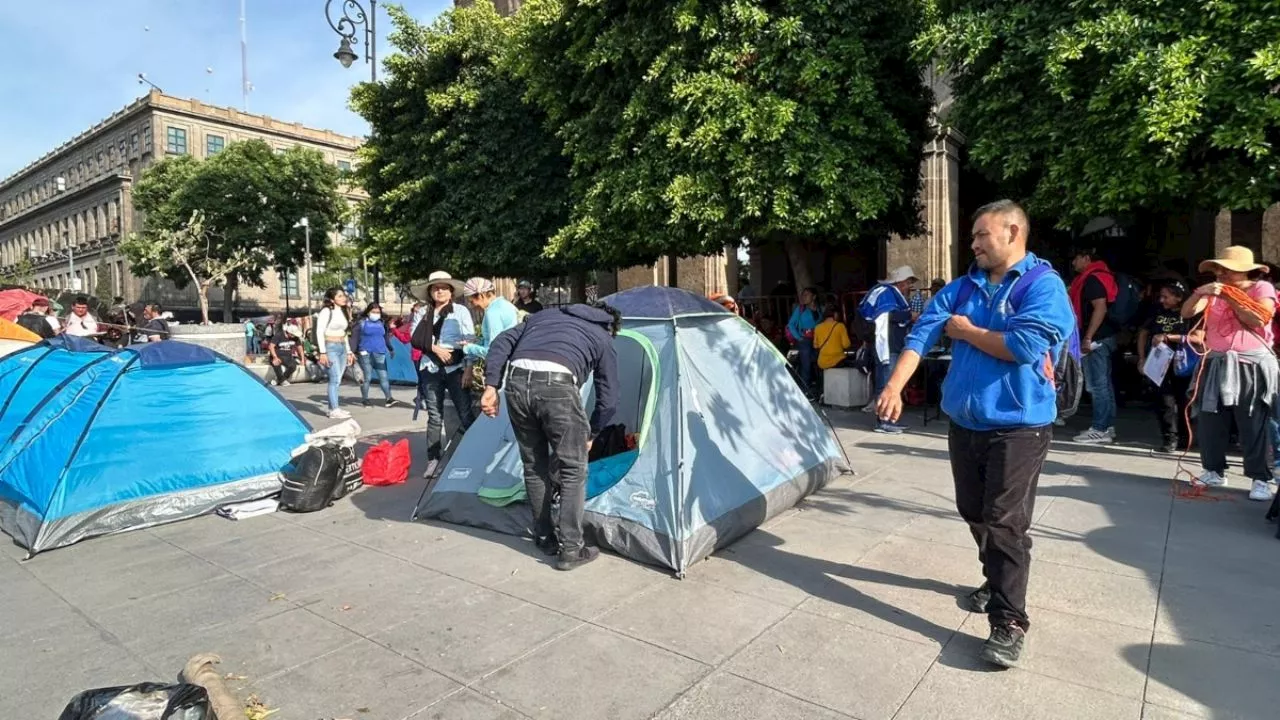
x=1144, y=606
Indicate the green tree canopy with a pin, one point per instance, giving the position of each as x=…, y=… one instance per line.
x=1091, y=107
x=692, y=124
x=461, y=172
x=248, y=197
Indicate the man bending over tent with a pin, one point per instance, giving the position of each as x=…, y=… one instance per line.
x=550, y=356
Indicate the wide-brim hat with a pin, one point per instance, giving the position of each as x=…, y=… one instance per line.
x=901, y=274
x=1236, y=258
x=440, y=277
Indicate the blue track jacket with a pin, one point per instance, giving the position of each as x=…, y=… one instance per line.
x=982, y=392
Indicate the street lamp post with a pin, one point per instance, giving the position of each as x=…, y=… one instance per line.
x=354, y=19
x=305, y=224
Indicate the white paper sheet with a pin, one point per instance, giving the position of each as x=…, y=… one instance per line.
x=1158, y=361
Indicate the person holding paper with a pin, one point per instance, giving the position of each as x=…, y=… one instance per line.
x=1167, y=327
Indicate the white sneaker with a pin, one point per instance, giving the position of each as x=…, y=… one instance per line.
x=1212, y=479
x=431, y=468
x=1059, y=422
x=1095, y=437
x=1262, y=491
x=286, y=383
x=1112, y=432
x=339, y=414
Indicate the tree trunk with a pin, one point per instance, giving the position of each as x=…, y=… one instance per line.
x=229, y=298
x=798, y=254
x=202, y=296
x=578, y=287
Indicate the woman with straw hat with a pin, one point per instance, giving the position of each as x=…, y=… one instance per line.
x=445, y=327
x=1240, y=376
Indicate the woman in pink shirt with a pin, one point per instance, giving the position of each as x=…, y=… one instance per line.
x=1240, y=376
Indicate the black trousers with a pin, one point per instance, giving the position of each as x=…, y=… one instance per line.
x=1171, y=410
x=996, y=473
x=552, y=430
x=285, y=369
x=432, y=387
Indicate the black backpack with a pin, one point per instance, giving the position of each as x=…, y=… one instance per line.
x=1128, y=301
x=316, y=478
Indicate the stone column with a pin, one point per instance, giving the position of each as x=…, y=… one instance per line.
x=934, y=254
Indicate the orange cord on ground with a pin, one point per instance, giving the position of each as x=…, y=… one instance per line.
x=1195, y=489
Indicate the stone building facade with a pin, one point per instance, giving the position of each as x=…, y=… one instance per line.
x=63, y=215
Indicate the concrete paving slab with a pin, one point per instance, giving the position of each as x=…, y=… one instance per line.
x=306, y=576
x=468, y=705
x=1070, y=648
x=786, y=563
x=487, y=558
x=728, y=696
x=852, y=670
x=27, y=605
x=1155, y=712
x=253, y=649
x=473, y=631
x=964, y=693
x=1211, y=680
x=941, y=529
x=698, y=620
x=1101, y=596
x=593, y=673
x=848, y=508
x=1226, y=615
x=153, y=620
x=903, y=587
x=274, y=543
x=42, y=670
x=383, y=594
x=93, y=585
x=363, y=680
x=586, y=592
x=1134, y=552
x=417, y=542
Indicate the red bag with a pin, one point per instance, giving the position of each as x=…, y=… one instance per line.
x=386, y=464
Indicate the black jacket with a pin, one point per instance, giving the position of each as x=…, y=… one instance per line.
x=576, y=337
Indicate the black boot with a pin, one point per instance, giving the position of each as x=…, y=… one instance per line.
x=1004, y=646
x=569, y=560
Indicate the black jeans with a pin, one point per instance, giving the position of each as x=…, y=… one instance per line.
x=1171, y=410
x=996, y=473
x=285, y=369
x=432, y=387
x=552, y=430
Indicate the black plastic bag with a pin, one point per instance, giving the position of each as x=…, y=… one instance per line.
x=351, y=478
x=147, y=701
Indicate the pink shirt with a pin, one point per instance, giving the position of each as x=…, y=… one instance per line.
x=1223, y=330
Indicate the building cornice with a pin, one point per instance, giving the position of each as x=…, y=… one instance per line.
x=66, y=198
x=195, y=109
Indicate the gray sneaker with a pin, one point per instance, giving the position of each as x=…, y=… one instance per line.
x=1004, y=646
x=976, y=601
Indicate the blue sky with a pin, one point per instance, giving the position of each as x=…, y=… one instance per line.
x=71, y=63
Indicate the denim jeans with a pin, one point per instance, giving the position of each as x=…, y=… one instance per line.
x=1097, y=380
x=996, y=473
x=433, y=387
x=808, y=361
x=371, y=363
x=883, y=371
x=337, y=354
x=552, y=430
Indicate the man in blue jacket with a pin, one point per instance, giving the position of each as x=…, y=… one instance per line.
x=550, y=356
x=886, y=308
x=1000, y=396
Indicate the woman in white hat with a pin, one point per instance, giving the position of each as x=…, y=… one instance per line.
x=445, y=327
x=1240, y=376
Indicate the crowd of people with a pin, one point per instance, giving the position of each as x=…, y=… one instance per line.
x=122, y=326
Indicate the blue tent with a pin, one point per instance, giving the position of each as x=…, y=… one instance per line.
x=100, y=441
x=725, y=439
x=400, y=367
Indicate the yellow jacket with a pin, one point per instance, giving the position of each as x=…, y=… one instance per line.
x=832, y=339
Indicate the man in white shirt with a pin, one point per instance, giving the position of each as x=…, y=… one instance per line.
x=81, y=322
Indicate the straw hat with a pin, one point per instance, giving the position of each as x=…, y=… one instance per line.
x=903, y=273
x=440, y=277
x=1236, y=258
